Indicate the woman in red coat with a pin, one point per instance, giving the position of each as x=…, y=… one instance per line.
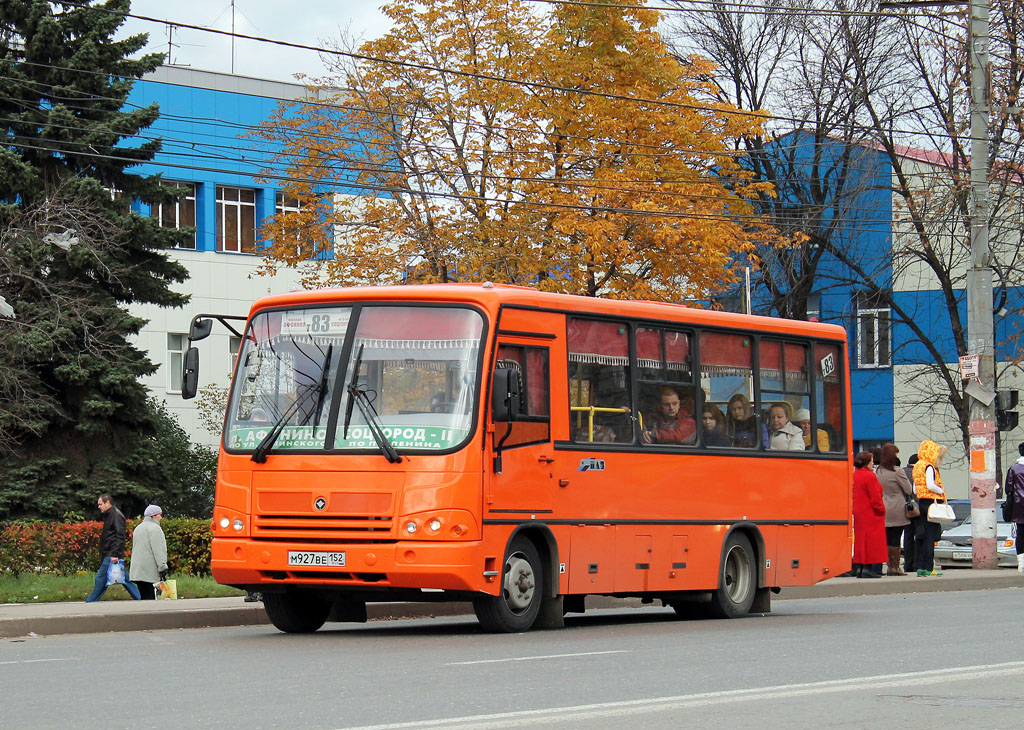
x=869, y=547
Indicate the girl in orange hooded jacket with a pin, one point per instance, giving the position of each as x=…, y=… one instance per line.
x=928, y=485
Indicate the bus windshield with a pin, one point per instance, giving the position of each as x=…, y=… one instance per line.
x=416, y=379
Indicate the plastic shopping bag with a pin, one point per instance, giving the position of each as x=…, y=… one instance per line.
x=167, y=590
x=115, y=572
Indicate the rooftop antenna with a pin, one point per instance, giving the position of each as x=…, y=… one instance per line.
x=170, y=43
x=232, y=37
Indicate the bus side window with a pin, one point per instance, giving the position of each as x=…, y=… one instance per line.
x=533, y=422
x=600, y=407
x=828, y=396
x=727, y=377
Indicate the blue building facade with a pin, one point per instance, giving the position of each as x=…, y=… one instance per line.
x=896, y=394
x=206, y=124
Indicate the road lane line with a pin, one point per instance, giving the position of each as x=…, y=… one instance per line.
x=542, y=656
x=524, y=718
x=34, y=661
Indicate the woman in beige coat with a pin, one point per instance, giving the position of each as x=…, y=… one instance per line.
x=896, y=487
x=149, y=553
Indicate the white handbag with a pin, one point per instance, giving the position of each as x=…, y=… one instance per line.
x=941, y=513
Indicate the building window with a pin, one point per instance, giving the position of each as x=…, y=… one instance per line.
x=180, y=214
x=873, y=332
x=175, y=352
x=124, y=202
x=286, y=204
x=814, y=307
x=236, y=220
x=234, y=343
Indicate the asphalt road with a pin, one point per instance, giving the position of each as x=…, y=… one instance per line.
x=860, y=662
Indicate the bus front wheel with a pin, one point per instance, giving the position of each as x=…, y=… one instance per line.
x=737, y=579
x=515, y=609
x=296, y=611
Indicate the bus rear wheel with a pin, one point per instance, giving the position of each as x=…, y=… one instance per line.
x=737, y=579
x=515, y=609
x=296, y=611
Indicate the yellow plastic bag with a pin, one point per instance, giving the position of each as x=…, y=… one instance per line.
x=167, y=590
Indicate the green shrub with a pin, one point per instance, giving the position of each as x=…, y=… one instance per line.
x=49, y=547
x=66, y=548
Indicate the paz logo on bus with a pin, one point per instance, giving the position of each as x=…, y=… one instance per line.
x=591, y=464
x=320, y=503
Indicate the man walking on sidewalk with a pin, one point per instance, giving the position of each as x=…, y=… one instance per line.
x=112, y=540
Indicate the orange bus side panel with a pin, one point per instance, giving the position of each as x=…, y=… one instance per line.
x=592, y=565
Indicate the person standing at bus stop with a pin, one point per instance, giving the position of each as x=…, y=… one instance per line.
x=1015, y=492
x=149, y=553
x=869, y=550
x=909, y=554
x=896, y=487
x=112, y=540
x=928, y=485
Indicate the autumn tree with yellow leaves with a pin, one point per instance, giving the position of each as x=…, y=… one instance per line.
x=482, y=140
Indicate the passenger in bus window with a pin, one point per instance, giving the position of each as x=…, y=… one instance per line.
x=713, y=427
x=672, y=423
x=438, y=404
x=783, y=435
x=602, y=434
x=741, y=423
x=802, y=418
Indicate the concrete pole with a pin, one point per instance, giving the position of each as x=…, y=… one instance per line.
x=980, y=321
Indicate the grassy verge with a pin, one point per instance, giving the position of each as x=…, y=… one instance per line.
x=48, y=588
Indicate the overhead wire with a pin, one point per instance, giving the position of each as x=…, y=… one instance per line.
x=370, y=58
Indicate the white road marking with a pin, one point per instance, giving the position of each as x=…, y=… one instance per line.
x=601, y=710
x=34, y=661
x=543, y=656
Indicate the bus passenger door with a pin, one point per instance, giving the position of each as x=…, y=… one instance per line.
x=522, y=489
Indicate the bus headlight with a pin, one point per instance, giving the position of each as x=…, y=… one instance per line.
x=238, y=525
x=225, y=523
x=411, y=527
x=434, y=525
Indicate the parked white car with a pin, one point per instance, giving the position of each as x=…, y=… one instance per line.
x=954, y=549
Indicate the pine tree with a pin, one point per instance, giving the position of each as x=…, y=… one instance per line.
x=73, y=414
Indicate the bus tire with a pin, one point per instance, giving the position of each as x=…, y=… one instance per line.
x=737, y=579
x=515, y=609
x=296, y=611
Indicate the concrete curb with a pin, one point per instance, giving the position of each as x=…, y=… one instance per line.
x=18, y=620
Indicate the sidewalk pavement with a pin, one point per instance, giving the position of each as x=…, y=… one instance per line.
x=41, y=619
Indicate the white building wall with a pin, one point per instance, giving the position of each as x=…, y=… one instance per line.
x=218, y=283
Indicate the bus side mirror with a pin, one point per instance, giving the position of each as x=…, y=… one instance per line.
x=200, y=330
x=190, y=372
x=505, y=399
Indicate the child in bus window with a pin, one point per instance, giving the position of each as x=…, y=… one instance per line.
x=741, y=423
x=713, y=427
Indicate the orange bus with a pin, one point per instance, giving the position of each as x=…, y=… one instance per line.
x=523, y=450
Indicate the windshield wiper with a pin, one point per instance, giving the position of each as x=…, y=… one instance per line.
x=358, y=395
x=321, y=388
x=352, y=384
x=259, y=455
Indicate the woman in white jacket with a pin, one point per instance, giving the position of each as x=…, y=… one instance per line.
x=149, y=553
x=783, y=434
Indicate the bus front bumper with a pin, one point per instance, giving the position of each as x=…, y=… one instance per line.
x=407, y=564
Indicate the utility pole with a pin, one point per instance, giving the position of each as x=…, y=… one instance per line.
x=980, y=320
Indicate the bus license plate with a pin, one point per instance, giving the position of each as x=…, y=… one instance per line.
x=307, y=558
x=962, y=555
